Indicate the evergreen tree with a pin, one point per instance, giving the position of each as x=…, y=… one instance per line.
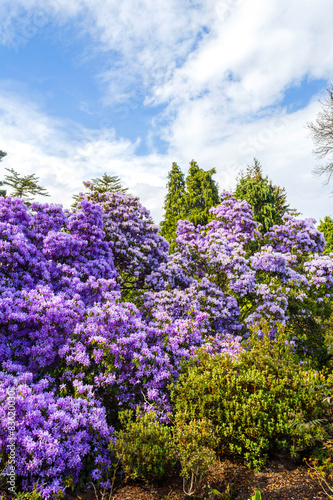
x=2, y=191
x=188, y=199
x=326, y=227
x=173, y=203
x=269, y=202
x=105, y=184
x=23, y=186
x=108, y=183
x=201, y=194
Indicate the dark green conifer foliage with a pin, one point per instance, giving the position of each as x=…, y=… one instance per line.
x=269, y=202
x=326, y=227
x=174, y=202
x=201, y=194
x=24, y=186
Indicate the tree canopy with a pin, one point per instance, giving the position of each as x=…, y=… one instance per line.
x=174, y=202
x=326, y=227
x=2, y=191
x=189, y=198
x=269, y=202
x=108, y=183
x=24, y=186
x=105, y=184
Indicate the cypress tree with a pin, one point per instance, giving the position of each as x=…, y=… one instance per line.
x=201, y=194
x=326, y=227
x=173, y=203
x=269, y=202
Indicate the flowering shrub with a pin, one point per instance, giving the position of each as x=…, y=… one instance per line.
x=54, y=434
x=96, y=317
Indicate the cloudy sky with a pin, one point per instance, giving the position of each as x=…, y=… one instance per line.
x=127, y=87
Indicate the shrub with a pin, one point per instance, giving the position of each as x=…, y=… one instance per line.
x=195, y=442
x=252, y=401
x=144, y=446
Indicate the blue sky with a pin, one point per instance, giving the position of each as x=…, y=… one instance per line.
x=90, y=86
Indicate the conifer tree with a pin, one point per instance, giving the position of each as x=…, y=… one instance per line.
x=269, y=202
x=201, y=194
x=173, y=203
x=108, y=183
x=326, y=227
x=23, y=186
x=2, y=191
x=105, y=184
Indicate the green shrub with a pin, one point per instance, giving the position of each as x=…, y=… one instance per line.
x=144, y=446
x=253, y=401
x=195, y=442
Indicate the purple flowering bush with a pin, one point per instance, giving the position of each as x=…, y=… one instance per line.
x=96, y=317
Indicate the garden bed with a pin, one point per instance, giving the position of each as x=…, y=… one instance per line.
x=281, y=479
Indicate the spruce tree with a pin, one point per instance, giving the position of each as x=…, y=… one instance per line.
x=269, y=202
x=201, y=194
x=173, y=203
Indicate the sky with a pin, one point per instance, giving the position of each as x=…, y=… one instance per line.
x=128, y=87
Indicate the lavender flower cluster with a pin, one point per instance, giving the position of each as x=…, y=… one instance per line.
x=96, y=315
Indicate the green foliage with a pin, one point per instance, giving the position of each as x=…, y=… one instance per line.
x=173, y=203
x=256, y=496
x=2, y=191
x=252, y=401
x=326, y=227
x=201, y=194
x=23, y=186
x=194, y=441
x=108, y=184
x=105, y=184
x=269, y=202
x=144, y=446
x=188, y=199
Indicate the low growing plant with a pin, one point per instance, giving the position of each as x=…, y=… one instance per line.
x=195, y=442
x=252, y=401
x=144, y=446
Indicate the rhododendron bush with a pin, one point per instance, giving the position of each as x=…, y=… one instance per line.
x=96, y=316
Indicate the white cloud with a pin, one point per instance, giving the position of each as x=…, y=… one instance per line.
x=220, y=68
x=36, y=143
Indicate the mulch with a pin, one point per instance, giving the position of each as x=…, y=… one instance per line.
x=281, y=479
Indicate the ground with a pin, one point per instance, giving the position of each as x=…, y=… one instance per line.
x=281, y=479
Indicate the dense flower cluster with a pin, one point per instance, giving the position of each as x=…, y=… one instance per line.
x=96, y=316
x=54, y=434
x=138, y=248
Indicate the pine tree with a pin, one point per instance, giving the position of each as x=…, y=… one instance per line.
x=2, y=191
x=201, y=194
x=23, y=186
x=267, y=200
x=104, y=184
x=173, y=203
x=108, y=183
x=326, y=227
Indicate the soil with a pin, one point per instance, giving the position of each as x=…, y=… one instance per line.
x=279, y=480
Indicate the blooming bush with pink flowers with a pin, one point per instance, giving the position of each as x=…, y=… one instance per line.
x=96, y=316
